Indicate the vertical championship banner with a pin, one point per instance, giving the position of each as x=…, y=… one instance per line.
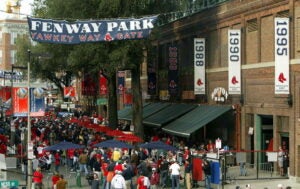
x=121, y=82
x=234, y=61
x=103, y=85
x=282, y=58
x=88, y=85
x=173, y=70
x=37, y=102
x=20, y=99
x=199, y=66
x=151, y=71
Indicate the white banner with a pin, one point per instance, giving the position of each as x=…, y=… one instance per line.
x=282, y=57
x=199, y=66
x=234, y=61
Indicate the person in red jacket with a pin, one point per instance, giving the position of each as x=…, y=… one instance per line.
x=105, y=172
x=38, y=178
x=154, y=179
x=54, y=179
x=143, y=182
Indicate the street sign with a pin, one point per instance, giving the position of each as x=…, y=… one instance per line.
x=9, y=184
x=101, y=101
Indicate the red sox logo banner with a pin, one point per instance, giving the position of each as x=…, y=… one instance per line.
x=64, y=32
x=199, y=66
x=234, y=61
x=282, y=56
x=69, y=92
x=121, y=82
x=103, y=85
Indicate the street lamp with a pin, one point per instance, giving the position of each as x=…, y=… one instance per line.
x=29, y=151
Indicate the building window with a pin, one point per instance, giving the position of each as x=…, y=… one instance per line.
x=1, y=59
x=1, y=37
x=252, y=25
x=13, y=38
x=13, y=56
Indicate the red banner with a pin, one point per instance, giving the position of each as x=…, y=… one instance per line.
x=20, y=101
x=5, y=95
x=102, y=85
x=69, y=92
x=88, y=85
x=127, y=98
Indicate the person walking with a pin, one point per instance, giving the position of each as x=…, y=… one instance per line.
x=188, y=174
x=95, y=182
x=118, y=181
x=207, y=171
x=175, y=174
x=163, y=168
x=128, y=173
x=143, y=182
x=104, y=170
x=83, y=159
x=55, y=178
x=280, y=158
x=154, y=179
x=61, y=183
x=38, y=178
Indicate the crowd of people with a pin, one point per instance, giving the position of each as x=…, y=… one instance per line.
x=139, y=168
x=106, y=168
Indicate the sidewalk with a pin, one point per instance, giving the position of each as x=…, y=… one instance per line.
x=15, y=174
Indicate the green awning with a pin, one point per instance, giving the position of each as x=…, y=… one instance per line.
x=124, y=112
x=195, y=120
x=148, y=109
x=168, y=114
x=153, y=108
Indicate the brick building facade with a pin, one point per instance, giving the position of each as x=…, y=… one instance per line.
x=273, y=117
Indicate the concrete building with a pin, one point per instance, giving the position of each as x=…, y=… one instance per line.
x=12, y=25
x=264, y=117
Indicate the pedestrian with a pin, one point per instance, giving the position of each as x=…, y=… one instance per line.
x=207, y=171
x=55, y=178
x=143, y=182
x=118, y=181
x=95, y=182
x=57, y=160
x=210, y=147
x=175, y=174
x=83, y=160
x=104, y=172
x=163, y=168
x=116, y=155
x=280, y=159
x=38, y=178
x=110, y=174
x=96, y=167
x=188, y=174
x=61, y=183
x=154, y=179
x=242, y=162
x=128, y=173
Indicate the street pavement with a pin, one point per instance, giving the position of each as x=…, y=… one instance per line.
x=16, y=174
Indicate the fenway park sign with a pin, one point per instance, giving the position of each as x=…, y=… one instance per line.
x=64, y=32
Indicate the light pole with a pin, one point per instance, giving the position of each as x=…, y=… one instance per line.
x=29, y=156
